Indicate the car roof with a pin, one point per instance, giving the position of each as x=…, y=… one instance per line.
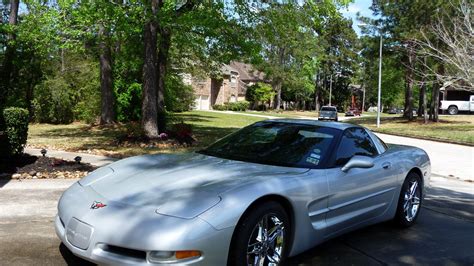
x=311, y=122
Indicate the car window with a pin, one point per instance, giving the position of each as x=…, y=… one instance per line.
x=328, y=109
x=277, y=143
x=354, y=141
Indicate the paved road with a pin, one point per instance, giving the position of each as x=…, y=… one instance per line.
x=444, y=234
x=449, y=160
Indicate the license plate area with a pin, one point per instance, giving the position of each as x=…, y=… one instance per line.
x=78, y=233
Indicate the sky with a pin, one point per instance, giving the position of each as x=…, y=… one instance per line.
x=361, y=6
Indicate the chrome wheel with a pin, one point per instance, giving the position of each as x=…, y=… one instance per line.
x=267, y=241
x=411, y=202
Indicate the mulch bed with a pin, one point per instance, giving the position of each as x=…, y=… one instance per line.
x=33, y=167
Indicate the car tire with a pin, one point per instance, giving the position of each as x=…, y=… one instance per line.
x=409, y=202
x=254, y=233
x=453, y=110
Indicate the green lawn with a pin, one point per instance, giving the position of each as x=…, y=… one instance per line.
x=207, y=128
x=457, y=129
x=210, y=126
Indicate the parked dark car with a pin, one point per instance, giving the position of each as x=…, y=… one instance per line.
x=328, y=113
x=353, y=112
x=395, y=110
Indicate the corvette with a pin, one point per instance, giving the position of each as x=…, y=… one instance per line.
x=255, y=197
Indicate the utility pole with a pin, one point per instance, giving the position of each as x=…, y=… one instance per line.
x=379, y=94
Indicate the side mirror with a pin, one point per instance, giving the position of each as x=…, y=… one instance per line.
x=358, y=161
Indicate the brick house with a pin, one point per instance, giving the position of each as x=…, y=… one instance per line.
x=230, y=86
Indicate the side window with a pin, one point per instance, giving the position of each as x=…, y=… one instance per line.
x=355, y=141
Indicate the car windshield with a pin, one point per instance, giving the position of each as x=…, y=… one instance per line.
x=277, y=143
x=328, y=109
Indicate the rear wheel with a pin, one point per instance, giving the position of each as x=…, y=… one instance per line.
x=452, y=110
x=409, y=202
x=261, y=238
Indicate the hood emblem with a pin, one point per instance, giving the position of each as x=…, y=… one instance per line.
x=97, y=205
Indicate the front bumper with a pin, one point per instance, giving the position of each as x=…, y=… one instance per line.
x=121, y=235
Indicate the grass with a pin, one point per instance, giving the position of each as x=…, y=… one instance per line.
x=81, y=137
x=456, y=129
x=210, y=126
x=288, y=114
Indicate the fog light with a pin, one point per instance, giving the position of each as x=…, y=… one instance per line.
x=172, y=256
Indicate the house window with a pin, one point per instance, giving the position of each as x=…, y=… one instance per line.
x=233, y=99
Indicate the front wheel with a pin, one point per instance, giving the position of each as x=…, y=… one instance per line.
x=261, y=238
x=452, y=110
x=409, y=202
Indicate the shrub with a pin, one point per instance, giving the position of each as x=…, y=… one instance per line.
x=182, y=132
x=259, y=93
x=16, y=129
x=128, y=101
x=234, y=106
x=53, y=102
x=179, y=97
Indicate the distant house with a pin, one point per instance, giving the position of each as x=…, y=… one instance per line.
x=248, y=76
x=230, y=86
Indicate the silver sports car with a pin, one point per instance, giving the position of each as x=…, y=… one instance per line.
x=266, y=192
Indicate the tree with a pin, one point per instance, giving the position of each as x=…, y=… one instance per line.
x=259, y=93
x=449, y=41
x=402, y=20
x=107, y=114
x=7, y=68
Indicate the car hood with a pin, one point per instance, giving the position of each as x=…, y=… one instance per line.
x=182, y=185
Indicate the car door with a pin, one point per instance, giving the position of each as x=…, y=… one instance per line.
x=359, y=194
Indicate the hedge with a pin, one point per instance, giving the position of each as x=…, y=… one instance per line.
x=234, y=106
x=16, y=129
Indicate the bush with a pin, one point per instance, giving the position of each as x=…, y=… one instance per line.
x=234, y=106
x=129, y=102
x=16, y=129
x=182, y=132
x=179, y=97
x=53, y=102
x=259, y=93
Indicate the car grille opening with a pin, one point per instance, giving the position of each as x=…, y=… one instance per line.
x=126, y=252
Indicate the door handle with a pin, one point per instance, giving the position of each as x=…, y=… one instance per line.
x=386, y=165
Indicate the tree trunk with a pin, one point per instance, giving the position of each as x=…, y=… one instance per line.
x=425, y=111
x=435, y=102
x=163, y=54
x=149, y=95
x=316, y=92
x=107, y=110
x=420, y=99
x=409, y=83
x=5, y=78
x=277, y=87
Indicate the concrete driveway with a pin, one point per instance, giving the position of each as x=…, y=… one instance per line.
x=444, y=234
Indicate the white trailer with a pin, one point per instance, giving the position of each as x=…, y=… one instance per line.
x=454, y=107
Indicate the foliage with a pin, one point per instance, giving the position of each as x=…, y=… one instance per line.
x=232, y=106
x=128, y=101
x=179, y=96
x=16, y=122
x=53, y=102
x=259, y=92
x=182, y=132
x=70, y=93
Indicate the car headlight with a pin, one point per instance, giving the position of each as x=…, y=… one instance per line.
x=173, y=256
